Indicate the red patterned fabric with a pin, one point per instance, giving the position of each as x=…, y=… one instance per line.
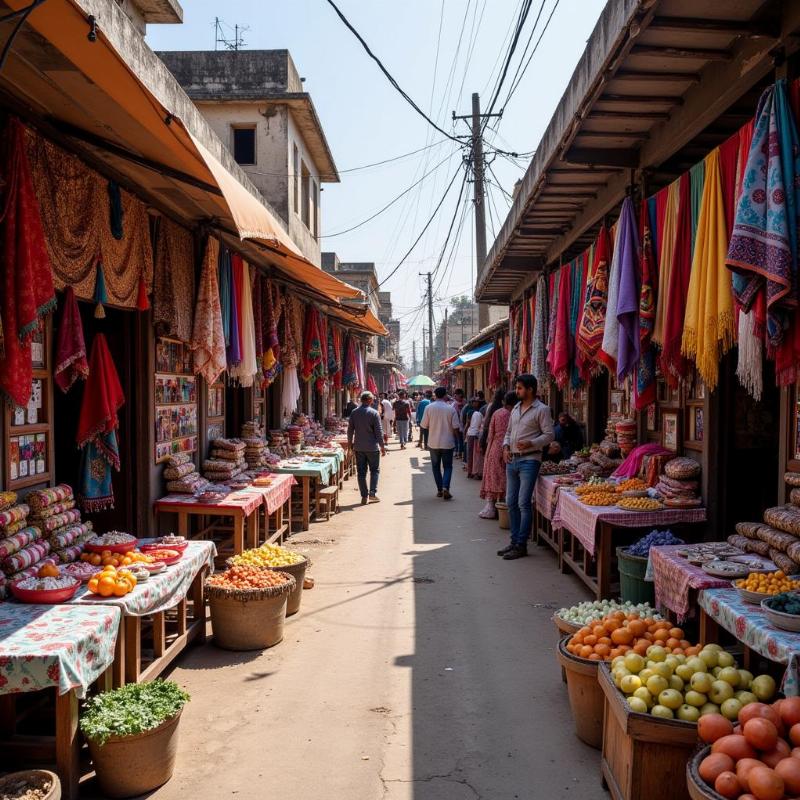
x=560, y=361
x=71, y=362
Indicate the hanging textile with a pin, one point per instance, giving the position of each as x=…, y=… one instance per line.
x=339, y=355
x=290, y=391
x=224, y=278
x=559, y=352
x=292, y=331
x=609, y=349
x=697, y=176
x=312, y=346
x=27, y=295
x=208, y=338
x=551, y=325
x=71, y=363
x=257, y=281
x=97, y=429
x=540, y=323
x=350, y=376
x=74, y=204
x=494, y=380
x=322, y=370
x=578, y=284
x=628, y=348
x=592, y=322
x=173, y=289
x=246, y=370
x=272, y=303
x=728, y=163
x=666, y=254
x=763, y=247
x=708, y=331
x=234, y=351
x=645, y=383
x=525, y=336
x=334, y=357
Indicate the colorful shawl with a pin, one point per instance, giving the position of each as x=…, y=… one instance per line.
x=666, y=257
x=524, y=336
x=97, y=429
x=208, y=336
x=224, y=282
x=708, y=331
x=494, y=380
x=607, y=354
x=312, y=346
x=627, y=307
x=290, y=391
x=579, y=271
x=173, y=291
x=257, y=284
x=592, y=323
x=27, y=294
x=234, y=352
x=763, y=247
x=71, y=363
x=554, y=278
x=350, y=376
x=247, y=369
x=645, y=384
x=272, y=350
x=559, y=353
x=322, y=371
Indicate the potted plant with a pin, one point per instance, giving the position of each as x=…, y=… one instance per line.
x=133, y=736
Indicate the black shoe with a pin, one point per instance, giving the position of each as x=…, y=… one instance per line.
x=506, y=550
x=446, y=494
x=363, y=501
x=439, y=493
x=515, y=552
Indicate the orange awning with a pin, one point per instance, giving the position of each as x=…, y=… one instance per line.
x=367, y=323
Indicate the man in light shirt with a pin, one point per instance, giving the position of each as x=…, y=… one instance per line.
x=388, y=417
x=441, y=422
x=530, y=430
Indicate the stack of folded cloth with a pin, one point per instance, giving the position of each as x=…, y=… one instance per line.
x=252, y=430
x=255, y=453
x=53, y=513
x=626, y=435
x=182, y=476
x=679, y=485
x=227, y=460
x=296, y=438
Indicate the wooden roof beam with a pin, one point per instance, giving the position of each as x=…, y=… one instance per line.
x=653, y=116
x=648, y=76
x=729, y=27
x=642, y=99
x=700, y=53
x=603, y=156
x=632, y=136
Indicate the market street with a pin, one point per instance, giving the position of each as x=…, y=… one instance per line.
x=421, y=667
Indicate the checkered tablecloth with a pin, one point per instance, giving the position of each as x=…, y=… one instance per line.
x=582, y=520
x=675, y=577
x=546, y=495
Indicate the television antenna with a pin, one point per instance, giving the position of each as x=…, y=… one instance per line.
x=220, y=37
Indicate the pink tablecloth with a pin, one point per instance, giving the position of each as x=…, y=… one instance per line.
x=278, y=492
x=249, y=499
x=546, y=495
x=581, y=520
x=675, y=577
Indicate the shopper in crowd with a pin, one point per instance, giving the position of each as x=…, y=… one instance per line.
x=530, y=429
x=568, y=434
x=493, y=485
x=365, y=438
x=466, y=413
x=441, y=422
x=421, y=406
x=459, y=401
x=496, y=404
x=474, y=458
x=402, y=418
x=349, y=408
x=387, y=417
x=482, y=397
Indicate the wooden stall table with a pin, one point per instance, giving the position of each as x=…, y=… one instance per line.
x=587, y=534
x=334, y=454
x=63, y=647
x=677, y=582
x=277, y=505
x=310, y=475
x=724, y=608
x=349, y=463
x=158, y=612
x=545, y=497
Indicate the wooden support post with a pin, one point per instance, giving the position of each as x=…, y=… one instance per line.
x=67, y=743
x=159, y=635
x=133, y=648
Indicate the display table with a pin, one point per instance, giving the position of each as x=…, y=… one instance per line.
x=749, y=624
x=334, y=454
x=677, y=581
x=160, y=617
x=63, y=647
x=588, y=532
x=309, y=475
x=545, y=498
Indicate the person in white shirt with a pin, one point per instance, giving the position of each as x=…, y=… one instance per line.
x=388, y=416
x=440, y=420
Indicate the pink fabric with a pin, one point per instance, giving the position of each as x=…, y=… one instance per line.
x=493, y=485
x=630, y=467
x=248, y=500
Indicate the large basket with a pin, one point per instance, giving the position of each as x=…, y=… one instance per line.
x=585, y=695
x=298, y=572
x=248, y=619
x=698, y=788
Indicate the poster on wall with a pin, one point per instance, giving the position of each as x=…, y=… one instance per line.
x=175, y=394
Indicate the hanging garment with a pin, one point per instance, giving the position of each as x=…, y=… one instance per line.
x=559, y=362
x=97, y=429
x=592, y=323
x=645, y=384
x=272, y=314
x=290, y=392
x=610, y=346
x=71, y=363
x=628, y=348
x=256, y=284
x=173, y=291
x=552, y=322
x=234, y=352
x=666, y=257
x=708, y=331
x=494, y=366
x=208, y=337
x=247, y=369
x=578, y=284
x=763, y=246
x=697, y=176
x=350, y=377
x=224, y=279
x=312, y=346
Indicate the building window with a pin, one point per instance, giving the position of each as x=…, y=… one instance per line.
x=315, y=202
x=305, y=200
x=296, y=180
x=244, y=145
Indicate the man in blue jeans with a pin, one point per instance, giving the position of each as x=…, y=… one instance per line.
x=530, y=430
x=365, y=437
x=440, y=422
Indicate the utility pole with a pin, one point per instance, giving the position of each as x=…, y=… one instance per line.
x=414, y=370
x=430, y=324
x=445, y=336
x=478, y=166
x=424, y=360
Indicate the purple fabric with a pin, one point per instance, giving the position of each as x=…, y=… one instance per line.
x=629, y=287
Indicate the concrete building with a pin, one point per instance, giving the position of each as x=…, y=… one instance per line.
x=254, y=101
x=151, y=12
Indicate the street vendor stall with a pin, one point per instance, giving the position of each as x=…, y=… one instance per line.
x=545, y=500
x=310, y=475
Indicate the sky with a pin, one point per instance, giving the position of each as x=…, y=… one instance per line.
x=439, y=52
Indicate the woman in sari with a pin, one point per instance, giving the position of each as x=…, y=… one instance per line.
x=493, y=485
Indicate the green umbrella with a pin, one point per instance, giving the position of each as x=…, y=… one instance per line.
x=421, y=380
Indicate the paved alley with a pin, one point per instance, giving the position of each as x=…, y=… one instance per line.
x=421, y=667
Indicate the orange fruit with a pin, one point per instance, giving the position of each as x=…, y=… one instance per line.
x=121, y=587
x=92, y=585
x=105, y=586
x=96, y=560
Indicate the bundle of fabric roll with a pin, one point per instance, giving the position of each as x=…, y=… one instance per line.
x=182, y=476
x=227, y=461
x=680, y=483
x=626, y=435
x=252, y=430
x=255, y=453
x=54, y=514
x=296, y=438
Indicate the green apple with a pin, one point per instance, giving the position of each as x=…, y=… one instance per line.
x=726, y=660
x=634, y=662
x=688, y=713
x=681, y=658
x=730, y=675
x=638, y=705
x=684, y=672
x=697, y=664
x=709, y=708
x=645, y=696
x=731, y=708
x=630, y=683
x=696, y=699
x=662, y=711
x=656, y=652
x=715, y=671
x=710, y=657
x=763, y=687
x=745, y=679
x=701, y=682
x=675, y=683
x=720, y=692
x=670, y=698
x=656, y=684
x=663, y=669
x=745, y=698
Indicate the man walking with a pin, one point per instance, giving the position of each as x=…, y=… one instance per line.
x=440, y=420
x=421, y=406
x=365, y=437
x=530, y=429
x=387, y=416
x=402, y=418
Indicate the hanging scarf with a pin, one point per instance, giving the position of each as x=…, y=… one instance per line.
x=350, y=376
x=208, y=337
x=97, y=429
x=524, y=337
x=645, y=384
x=173, y=291
x=322, y=371
x=607, y=354
x=708, y=331
x=290, y=391
x=257, y=284
x=71, y=363
x=559, y=353
x=224, y=279
x=337, y=345
x=666, y=256
x=234, y=352
x=494, y=366
x=763, y=247
x=627, y=307
x=272, y=351
x=728, y=161
x=697, y=176
x=27, y=295
x=592, y=324
x=247, y=369
x=578, y=284
x=540, y=320
x=312, y=346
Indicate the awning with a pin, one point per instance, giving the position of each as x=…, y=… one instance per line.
x=366, y=323
x=476, y=356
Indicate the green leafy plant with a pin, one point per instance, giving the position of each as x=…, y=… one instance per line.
x=131, y=709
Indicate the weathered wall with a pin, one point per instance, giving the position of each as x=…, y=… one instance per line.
x=303, y=236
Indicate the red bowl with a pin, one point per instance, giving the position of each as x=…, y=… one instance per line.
x=146, y=548
x=167, y=561
x=45, y=596
x=114, y=548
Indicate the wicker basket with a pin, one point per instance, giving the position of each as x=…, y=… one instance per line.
x=249, y=619
x=698, y=788
x=298, y=572
x=36, y=777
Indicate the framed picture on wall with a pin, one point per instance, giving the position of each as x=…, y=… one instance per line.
x=652, y=418
x=616, y=402
x=670, y=433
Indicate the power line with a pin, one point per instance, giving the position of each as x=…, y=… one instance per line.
x=527, y=44
x=388, y=160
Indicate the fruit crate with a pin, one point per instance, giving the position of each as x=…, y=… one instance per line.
x=642, y=754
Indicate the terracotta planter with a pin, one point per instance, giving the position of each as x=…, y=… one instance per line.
x=585, y=695
x=502, y=516
x=34, y=777
x=128, y=766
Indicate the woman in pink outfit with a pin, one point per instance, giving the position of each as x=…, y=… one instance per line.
x=493, y=485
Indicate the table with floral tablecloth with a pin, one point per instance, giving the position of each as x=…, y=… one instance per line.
x=748, y=623
x=64, y=646
x=675, y=578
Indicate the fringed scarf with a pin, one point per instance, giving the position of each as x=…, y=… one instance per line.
x=257, y=283
x=607, y=354
x=670, y=197
x=628, y=299
x=494, y=379
x=71, y=363
x=322, y=376
x=592, y=324
x=237, y=287
x=645, y=384
x=271, y=316
x=246, y=370
x=524, y=336
x=559, y=353
x=312, y=346
x=173, y=292
x=551, y=325
x=350, y=376
x=27, y=295
x=224, y=282
x=540, y=320
x=709, y=330
x=208, y=336
x=578, y=284
x=97, y=429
